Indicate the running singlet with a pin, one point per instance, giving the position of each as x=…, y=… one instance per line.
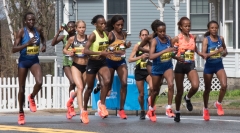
x=165, y=57
x=140, y=64
x=100, y=44
x=186, y=48
x=66, y=61
x=211, y=47
x=30, y=52
x=116, y=45
x=79, y=46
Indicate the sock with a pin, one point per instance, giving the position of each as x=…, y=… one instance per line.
x=98, y=82
x=218, y=102
x=168, y=107
x=150, y=108
x=187, y=98
x=177, y=111
x=72, y=95
x=205, y=108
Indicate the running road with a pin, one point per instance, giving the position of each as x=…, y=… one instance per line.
x=113, y=124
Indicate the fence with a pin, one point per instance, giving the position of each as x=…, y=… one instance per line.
x=54, y=92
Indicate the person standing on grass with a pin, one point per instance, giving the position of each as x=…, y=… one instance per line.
x=214, y=47
x=27, y=42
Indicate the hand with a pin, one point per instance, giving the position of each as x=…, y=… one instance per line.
x=171, y=49
x=144, y=56
x=70, y=53
x=61, y=29
x=203, y=55
x=105, y=53
x=128, y=45
x=220, y=50
x=43, y=49
x=32, y=41
x=224, y=53
x=179, y=59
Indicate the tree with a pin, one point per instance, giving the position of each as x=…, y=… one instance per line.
x=11, y=19
x=43, y=10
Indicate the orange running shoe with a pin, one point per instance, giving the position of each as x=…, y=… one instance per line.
x=102, y=111
x=206, y=115
x=21, y=119
x=68, y=115
x=122, y=114
x=72, y=111
x=219, y=108
x=169, y=113
x=32, y=105
x=149, y=103
x=151, y=115
x=84, y=117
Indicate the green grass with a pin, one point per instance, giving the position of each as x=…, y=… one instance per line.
x=231, y=99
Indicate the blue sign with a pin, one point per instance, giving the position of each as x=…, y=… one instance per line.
x=131, y=102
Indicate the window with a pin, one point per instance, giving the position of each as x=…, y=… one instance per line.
x=118, y=7
x=199, y=14
x=228, y=22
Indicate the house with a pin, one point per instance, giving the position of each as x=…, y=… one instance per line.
x=139, y=14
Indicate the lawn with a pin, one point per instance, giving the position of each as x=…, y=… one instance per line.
x=230, y=101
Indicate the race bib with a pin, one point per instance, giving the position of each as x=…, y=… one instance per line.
x=166, y=57
x=102, y=46
x=143, y=65
x=215, y=56
x=32, y=50
x=189, y=56
x=79, y=51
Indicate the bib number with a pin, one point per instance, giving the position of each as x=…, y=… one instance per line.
x=166, y=57
x=215, y=56
x=189, y=56
x=143, y=65
x=32, y=50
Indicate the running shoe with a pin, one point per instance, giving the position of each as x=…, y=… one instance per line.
x=206, y=115
x=72, y=111
x=97, y=89
x=84, y=117
x=188, y=104
x=102, y=111
x=68, y=115
x=32, y=105
x=122, y=114
x=142, y=115
x=70, y=106
x=21, y=119
x=151, y=115
x=169, y=113
x=177, y=117
x=219, y=108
